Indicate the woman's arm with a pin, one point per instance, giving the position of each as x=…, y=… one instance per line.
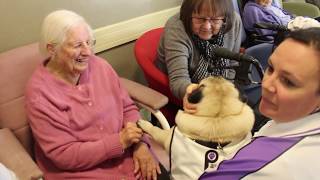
x=52, y=132
x=178, y=51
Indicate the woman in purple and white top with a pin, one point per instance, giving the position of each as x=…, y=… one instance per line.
x=288, y=146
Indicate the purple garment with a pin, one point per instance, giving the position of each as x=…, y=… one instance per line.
x=251, y=158
x=254, y=13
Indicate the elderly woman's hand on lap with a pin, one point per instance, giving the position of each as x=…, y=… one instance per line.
x=146, y=166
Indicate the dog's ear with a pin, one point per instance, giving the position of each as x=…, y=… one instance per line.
x=196, y=96
x=242, y=96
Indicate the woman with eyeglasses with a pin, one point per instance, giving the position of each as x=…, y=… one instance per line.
x=185, y=49
x=81, y=117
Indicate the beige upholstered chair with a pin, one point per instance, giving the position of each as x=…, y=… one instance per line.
x=16, y=142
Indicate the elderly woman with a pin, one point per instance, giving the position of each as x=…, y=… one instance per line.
x=81, y=117
x=258, y=11
x=185, y=49
x=288, y=146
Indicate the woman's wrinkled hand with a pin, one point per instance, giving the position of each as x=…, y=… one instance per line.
x=130, y=134
x=145, y=166
x=187, y=106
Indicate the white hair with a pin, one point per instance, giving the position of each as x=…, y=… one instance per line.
x=56, y=25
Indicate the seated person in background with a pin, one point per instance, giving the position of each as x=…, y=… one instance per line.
x=257, y=11
x=185, y=49
x=287, y=147
x=82, y=118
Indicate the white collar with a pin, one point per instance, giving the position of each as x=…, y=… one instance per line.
x=301, y=127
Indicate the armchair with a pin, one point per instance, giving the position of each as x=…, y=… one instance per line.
x=145, y=50
x=16, y=142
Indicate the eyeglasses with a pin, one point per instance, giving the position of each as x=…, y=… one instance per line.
x=79, y=45
x=212, y=21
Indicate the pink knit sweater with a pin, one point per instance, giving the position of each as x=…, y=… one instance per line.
x=76, y=128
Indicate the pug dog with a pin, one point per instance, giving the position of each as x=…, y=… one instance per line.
x=199, y=142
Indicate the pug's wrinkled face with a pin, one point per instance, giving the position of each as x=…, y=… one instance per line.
x=212, y=86
x=213, y=96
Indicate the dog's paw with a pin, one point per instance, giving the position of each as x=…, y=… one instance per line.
x=144, y=125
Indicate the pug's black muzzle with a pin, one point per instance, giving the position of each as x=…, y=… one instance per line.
x=196, y=96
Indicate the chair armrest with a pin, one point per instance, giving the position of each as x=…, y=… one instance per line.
x=147, y=98
x=16, y=158
x=144, y=95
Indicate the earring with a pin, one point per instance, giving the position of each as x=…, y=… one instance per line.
x=223, y=27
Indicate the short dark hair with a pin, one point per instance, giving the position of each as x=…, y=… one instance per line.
x=309, y=36
x=218, y=7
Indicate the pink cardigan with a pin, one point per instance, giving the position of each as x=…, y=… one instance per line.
x=76, y=128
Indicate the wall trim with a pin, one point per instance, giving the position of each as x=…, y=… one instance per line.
x=116, y=34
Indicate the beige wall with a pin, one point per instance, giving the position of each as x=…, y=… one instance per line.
x=123, y=61
x=21, y=21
